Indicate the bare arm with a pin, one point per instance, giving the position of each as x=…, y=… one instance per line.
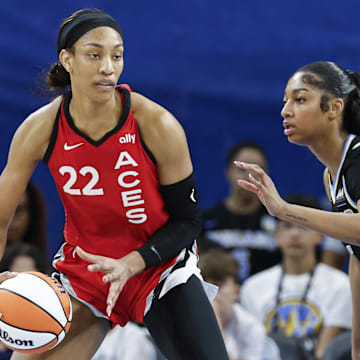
x=165, y=138
x=345, y=227
x=27, y=147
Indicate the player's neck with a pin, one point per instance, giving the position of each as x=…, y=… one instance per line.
x=242, y=204
x=329, y=151
x=92, y=118
x=298, y=266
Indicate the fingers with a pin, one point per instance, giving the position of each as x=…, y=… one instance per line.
x=108, y=266
x=255, y=182
x=102, y=266
x=247, y=186
x=114, y=292
x=252, y=168
x=111, y=276
x=7, y=275
x=87, y=256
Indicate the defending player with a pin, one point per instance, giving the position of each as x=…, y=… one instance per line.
x=322, y=111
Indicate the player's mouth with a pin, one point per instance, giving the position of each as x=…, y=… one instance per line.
x=289, y=128
x=105, y=84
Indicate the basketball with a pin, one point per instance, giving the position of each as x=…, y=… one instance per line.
x=35, y=312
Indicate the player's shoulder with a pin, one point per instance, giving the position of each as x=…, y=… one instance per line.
x=159, y=128
x=42, y=119
x=33, y=134
x=355, y=144
x=353, y=153
x=151, y=114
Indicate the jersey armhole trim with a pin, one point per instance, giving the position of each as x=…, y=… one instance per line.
x=53, y=137
x=147, y=150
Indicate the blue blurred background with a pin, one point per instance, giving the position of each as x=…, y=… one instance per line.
x=219, y=66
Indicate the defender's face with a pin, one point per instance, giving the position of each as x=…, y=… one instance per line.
x=97, y=62
x=304, y=120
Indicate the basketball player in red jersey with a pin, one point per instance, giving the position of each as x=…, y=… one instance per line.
x=123, y=171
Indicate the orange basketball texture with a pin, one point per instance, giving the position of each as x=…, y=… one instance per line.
x=36, y=312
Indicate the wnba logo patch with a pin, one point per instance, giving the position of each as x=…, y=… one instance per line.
x=294, y=318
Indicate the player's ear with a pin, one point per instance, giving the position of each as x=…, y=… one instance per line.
x=336, y=107
x=66, y=58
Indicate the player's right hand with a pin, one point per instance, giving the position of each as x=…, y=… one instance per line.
x=261, y=184
x=117, y=271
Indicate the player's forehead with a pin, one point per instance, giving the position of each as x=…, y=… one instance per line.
x=101, y=35
x=297, y=83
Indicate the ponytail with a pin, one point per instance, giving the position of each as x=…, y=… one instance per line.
x=57, y=78
x=351, y=117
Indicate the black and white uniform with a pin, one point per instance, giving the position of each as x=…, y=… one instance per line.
x=345, y=188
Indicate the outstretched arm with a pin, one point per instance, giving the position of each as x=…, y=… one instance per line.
x=28, y=146
x=345, y=227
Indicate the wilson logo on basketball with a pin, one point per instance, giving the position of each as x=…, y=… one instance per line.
x=6, y=337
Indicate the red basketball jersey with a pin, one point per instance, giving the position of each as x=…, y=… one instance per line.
x=110, y=192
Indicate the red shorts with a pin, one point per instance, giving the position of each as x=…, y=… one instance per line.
x=90, y=288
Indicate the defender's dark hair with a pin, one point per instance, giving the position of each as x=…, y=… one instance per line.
x=340, y=83
x=71, y=29
x=246, y=144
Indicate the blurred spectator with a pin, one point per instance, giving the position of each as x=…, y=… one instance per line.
x=334, y=254
x=240, y=224
x=131, y=342
x=29, y=222
x=25, y=257
x=307, y=301
x=22, y=257
x=244, y=335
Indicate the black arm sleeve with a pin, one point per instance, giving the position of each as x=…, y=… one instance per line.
x=183, y=226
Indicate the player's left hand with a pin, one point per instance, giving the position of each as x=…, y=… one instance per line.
x=117, y=271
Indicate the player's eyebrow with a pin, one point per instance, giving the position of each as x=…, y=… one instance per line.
x=300, y=89
x=95, y=44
